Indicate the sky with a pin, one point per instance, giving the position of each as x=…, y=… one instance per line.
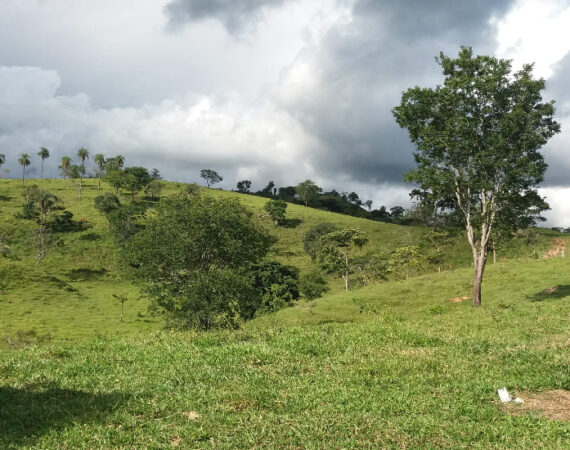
x=280, y=90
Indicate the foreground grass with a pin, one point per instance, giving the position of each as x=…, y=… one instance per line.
x=399, y=366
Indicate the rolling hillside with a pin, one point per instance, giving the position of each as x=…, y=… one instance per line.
x=70, y=294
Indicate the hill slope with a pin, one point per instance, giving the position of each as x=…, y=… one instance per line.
x=70, y=294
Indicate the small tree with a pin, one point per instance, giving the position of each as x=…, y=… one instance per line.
x=43, y=154
x=312, y=242
x=99, y=159
x=135, y=179
x=307, y=191
x=115, y=163
x=211, y=177
x=121, y=298
x=65, y=166
x=478, y=138
x=24, y=161
x=396, y=213
x=107, y=203
x=155, y=174
x=338, y=249
x=2, y=159
x=46, y=202
x=243, y=186
x=312, y=285
x=403, y=260
x=153, y=189
x=82, y=154
x=115, y=178
x=276, y=210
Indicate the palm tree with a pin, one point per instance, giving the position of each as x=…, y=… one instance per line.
x=100, y=161
x=24, y=161
x=65, y=165
x=46, y=202
x=120, y=161
x=82, y=154
x=44, y=154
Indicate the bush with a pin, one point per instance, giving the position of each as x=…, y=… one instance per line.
x=313, y=285
x=276, y=286
x=312, y=243
x=107, y=203
x=276, y=210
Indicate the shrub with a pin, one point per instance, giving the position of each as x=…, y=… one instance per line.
x=312, y=285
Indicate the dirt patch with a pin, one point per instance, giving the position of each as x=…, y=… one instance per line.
x=459, y=299
x=554, y=405
x=557, y=248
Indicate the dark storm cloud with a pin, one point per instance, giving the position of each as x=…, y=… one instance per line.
x=363, y=66
x=234, y=15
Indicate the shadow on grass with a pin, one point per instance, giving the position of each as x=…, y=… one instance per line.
x=4, y=198
x=290, y=223
x=86, y=274
x=559, y=291
x=27, y=414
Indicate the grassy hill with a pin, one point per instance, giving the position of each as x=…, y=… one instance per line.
x=394, y=364
x=70, y=294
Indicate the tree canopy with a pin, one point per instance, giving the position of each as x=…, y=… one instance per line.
x=194, y=259
x=478, y=138
x=211, y=177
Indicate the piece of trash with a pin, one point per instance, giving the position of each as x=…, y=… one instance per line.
x=504, y=395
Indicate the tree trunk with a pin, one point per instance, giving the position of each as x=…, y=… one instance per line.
x=479, y=260
x=345, y=277
x=494, y=255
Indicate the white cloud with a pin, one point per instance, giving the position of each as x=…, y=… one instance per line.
x=535, y=31
x=557, y=198
x=179, y=137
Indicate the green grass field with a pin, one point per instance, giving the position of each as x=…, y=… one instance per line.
x=395, y=364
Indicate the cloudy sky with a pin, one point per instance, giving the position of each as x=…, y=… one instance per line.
x=279, y=90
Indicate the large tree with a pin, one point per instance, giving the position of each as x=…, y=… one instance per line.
x=478, y=138
x=194, y=258
x=43, y=154
x=24, y=161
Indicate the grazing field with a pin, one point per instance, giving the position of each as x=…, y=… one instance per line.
x=404, y=363
x=392, y=365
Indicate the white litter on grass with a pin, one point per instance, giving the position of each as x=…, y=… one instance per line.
x=506, y=397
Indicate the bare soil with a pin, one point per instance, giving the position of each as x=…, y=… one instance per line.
x=554, y=405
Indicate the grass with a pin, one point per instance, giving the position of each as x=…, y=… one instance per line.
x=395, y=364
x=400, y=367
